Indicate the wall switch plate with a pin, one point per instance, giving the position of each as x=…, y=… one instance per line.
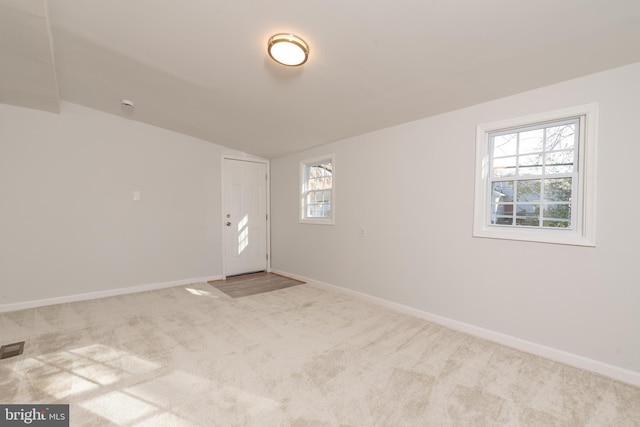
x=136, y=195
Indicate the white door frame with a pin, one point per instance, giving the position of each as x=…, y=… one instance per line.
x=223, y=211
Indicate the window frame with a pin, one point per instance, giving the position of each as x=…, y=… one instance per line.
x=583, y=232
x=304, y=166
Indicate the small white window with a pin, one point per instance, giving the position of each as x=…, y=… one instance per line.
x=535, y=178
x=317, y=195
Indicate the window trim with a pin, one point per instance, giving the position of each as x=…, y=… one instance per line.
x=584, y=233
x=303, y=172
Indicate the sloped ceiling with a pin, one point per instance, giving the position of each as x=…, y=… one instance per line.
x=200, y=67
x=27, y=71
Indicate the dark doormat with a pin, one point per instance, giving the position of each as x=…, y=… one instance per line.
x=252, y=284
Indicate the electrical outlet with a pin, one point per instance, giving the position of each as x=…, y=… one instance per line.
x=363, y=232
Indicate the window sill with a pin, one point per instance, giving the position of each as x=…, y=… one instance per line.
x=318, y=221
x=559, y=237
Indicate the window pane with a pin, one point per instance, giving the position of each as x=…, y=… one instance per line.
x=530, y=165
x=559, y=162
x=318, y=210
x=310, y=211
x=557, y=215
x=528, y=215
x=561, y=137
x=320, y=183
x=502, y=214
x=531, y=141
x=504, y=220
x=557, y=190
x=318, y=204
x=504, y=167
x=502, y=191
x=529, y=190
x=557, y=211
x=533, y=170
x=505, y=145
x=556, y=224
x=534, y=160
x=320, y=170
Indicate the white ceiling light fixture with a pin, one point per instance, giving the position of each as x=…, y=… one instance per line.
x=288, y=49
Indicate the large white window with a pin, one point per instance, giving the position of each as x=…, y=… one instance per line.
x=535, y=178
x=317, y=194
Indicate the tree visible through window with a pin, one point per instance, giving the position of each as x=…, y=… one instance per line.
x=317, y=193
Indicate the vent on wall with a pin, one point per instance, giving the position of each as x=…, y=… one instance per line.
x=11, y=350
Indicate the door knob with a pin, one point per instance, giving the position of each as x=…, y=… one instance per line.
x=228, y=224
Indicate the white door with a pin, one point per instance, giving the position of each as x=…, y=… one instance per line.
x=245, y=216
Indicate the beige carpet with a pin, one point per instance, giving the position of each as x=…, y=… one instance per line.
x=300, y=356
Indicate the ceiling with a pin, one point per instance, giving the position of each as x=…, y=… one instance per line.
x=200, y=67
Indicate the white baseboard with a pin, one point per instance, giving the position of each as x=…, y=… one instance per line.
x=611, y=371
x=102, y=294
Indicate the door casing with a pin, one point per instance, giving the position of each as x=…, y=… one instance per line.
x=225, y=209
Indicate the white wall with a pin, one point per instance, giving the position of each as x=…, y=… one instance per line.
x=68, y=222
x=412, y=185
